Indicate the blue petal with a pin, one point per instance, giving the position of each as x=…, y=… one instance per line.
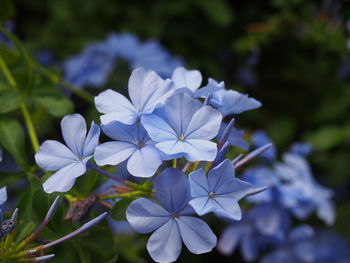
x=113, y=153
x=146, y=216
x=210, y=88
x=172, y=189
x=91, y=140
x=226, y=207
x=190, y=79
x=144, y=162
x=229, y=239
x=123, y=132
x=233, y=102
x=202, y=205
x=53, y=155
x=115, y=107
x=220, y=174
x=199, y=183
x=301, y=232
x=158, y=128
x=165, y=244
x=235, y=189
x=147, y=89
x=63, y=180
x=179, y=110
x=200, y=150
x=3, y=195
x=205, y=124
x=249, y=246
x=74, y=132
x=196, y=234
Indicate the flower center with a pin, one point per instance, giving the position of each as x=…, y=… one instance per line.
x=174, y=215
x=140, y=144
x=211, y=195
x=181, y=138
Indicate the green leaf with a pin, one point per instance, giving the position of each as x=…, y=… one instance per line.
x=10, y=100
x=328, y=137
x=12, y=138
x=119, y=209
x=56, y=106
x=219, y=12
x=7, y=178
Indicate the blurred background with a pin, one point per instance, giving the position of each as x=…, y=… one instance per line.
x=292, y=55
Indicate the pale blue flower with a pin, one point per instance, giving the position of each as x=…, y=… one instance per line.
x=123, y=45
x=232, y=102
x=210, y=88
x=69, y=162
x=132, y=144
x=172, y=220
x=184, y=127
x=146, y=90
x=190, y=79
x=218, y=191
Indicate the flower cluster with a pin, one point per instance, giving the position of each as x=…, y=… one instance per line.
x=164, y=119
x=180, y=122
x=93, y=65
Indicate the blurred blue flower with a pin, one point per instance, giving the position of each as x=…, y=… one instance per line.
x=259, y=139
x=301, y=148
x=123, y=45
x=262, y=176
x=184, y=127
x=146, y=90
x=91, y=67
x=260, y=227
x=235, y=138
x=134, y=144
x=295, y=248
x=300, y=191
x=151, y=55
x=218, y=191
x=172, y=221
x=0, y=154
x=69, y=162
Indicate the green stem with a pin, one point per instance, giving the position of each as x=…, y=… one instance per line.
x=55, y=79
x=30, y=126
x=79, y=92
x=29, y=123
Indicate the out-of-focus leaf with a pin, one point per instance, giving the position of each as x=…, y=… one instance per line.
x=219, y=12
x=328, y=137
x=7, y=178
x=119, y=208
x=7, y=10
x=56, y=106
x=10, y=100
x=12, y=138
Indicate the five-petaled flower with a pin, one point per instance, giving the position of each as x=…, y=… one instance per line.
x=172, y=221
x=218, y=191
x=184, y=127
x=69, y=162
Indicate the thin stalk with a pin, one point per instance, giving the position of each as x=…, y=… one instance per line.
x=79, y=92
x=95, y=168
